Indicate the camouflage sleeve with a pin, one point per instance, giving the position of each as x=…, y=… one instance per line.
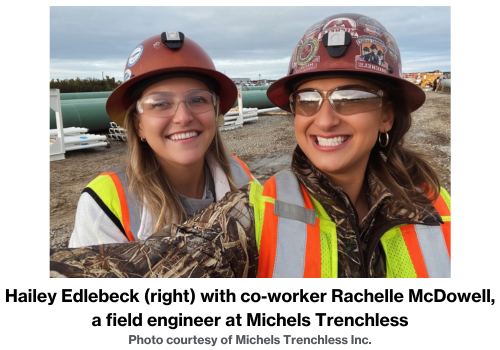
x=217, y=242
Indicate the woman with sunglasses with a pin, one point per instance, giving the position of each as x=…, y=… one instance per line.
x=170, y=103
x=355, y=203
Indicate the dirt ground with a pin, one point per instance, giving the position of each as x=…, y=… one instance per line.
x=265, y=145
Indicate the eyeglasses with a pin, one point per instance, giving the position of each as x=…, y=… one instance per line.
x=346, y=100
x=165, y=104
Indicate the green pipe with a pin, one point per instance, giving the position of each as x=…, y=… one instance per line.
x=89, y=113
x=251, y=88
x=255, y=99
x=84, y=95
x=446, y=83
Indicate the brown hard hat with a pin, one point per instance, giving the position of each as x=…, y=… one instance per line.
x=337, y=45
x=168, y=52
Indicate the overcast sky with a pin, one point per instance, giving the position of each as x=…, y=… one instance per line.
x=242, y=41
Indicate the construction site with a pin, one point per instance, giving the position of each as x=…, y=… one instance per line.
x=261, y=135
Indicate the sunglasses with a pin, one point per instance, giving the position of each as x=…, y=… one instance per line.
x=165, y=104
x=346, y=100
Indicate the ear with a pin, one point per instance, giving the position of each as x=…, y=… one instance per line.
x=137, y=127
x=387, y=118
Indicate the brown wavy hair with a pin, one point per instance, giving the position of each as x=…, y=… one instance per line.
x=147, y=180
x=405, y=172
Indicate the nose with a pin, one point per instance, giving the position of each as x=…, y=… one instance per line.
x=182, y=114
x=327, y=117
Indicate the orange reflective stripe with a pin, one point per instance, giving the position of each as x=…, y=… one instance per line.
x=443, y=210
x=244, y=166
x=270, y=188
x=442, y=207
x=123, y=204
x=411, y=240
x=269, y=236
x=446, y=228
x=312, y=268
x=268, y=242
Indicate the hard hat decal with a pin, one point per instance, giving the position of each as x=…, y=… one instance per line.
x=305, y=56
x=371, y=25
x=392, y=47
x=126, y=75
x=307, y=51
x=343, y=24
x=135, y=55
x=372, y=55
x=372, y=30
x=157, y=45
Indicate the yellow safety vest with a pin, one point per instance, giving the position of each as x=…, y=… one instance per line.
x=297, y=238
x=111, y=192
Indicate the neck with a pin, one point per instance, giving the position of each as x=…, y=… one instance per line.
x=355, y=187
x=188, y=180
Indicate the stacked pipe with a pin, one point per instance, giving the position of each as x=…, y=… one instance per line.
x=116, y=132
x=249, y=114
x=76, y=138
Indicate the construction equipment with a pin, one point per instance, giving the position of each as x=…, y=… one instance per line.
x=425, y=79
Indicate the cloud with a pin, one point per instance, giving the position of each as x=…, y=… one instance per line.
x=242, y=41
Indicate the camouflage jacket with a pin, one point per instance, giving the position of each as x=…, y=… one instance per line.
x=220, y=241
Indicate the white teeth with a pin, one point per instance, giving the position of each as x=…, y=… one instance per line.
x=334, y=141
x=183, y=136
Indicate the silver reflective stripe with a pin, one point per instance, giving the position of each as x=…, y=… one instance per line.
x=292, y=234
x=434, y=251
x=240, y=176
x=133, y=209
x=294, y=212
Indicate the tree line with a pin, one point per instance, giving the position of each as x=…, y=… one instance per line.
x=85, y=85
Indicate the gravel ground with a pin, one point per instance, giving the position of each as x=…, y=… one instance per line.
x=265, y=145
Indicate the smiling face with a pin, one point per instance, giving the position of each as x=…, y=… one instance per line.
x=340, y=145
x=181, y=139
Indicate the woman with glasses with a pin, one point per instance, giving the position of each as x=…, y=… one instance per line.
x=170, y=103
x=355, y=203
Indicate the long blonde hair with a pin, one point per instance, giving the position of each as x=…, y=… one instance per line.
x=149, y=183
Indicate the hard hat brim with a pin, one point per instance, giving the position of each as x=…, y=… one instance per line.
x=279, y=91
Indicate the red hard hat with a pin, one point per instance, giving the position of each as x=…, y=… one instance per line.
x=346, y=43
x=168, y=52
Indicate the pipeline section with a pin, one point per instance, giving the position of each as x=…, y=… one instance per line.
x=88, y=110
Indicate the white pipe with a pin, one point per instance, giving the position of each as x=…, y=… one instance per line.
x=245, y=110
x=69, y=131
x=268, y=110
x=83, y=138
x=89, y=145
x=245, y=116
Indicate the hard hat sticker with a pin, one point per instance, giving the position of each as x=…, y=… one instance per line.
x=371, y=26
x=392, y=47
x=372, y=54
x=306, y=56
x=307, y=51
x=126, y=75
x=135, y=55
x=341, y=24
